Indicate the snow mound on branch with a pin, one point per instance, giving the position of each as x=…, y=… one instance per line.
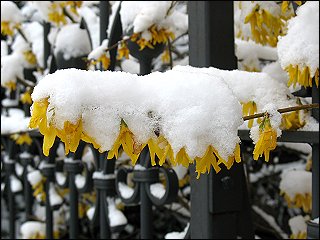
x=192, y=110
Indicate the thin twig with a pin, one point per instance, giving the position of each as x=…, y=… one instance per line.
x=25, y=83
x=170, y=53
x=284, y=110
x=65, y=11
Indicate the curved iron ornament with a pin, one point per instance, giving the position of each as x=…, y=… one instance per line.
x=144, y=177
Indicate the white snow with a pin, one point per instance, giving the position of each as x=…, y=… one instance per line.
x=116, y=217
x=80, y=181
x=270, y=219
x=30, y=229
x=16, y=185
x=101, y=175
x=15, y=122
x=179, y=99
x=157, y=190
x=300, y=46
x=55, y=198
x=177, y=235
x=125, y=190
x=72, y=41
x=316, y=220
x=297, y=224
x=10, y=12
x=90, y=213
x=61, y=178
x=11, y=68
x=140, y=15
x=296, y=182
x=34, y=177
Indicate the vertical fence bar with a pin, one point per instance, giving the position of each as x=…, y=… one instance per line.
x=74, y=215
x=315, y=158
x=104, y=8
x=27, y=187
x=46, y=44
x=220, y=206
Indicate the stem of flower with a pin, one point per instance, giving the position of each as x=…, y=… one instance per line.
x=284, y=110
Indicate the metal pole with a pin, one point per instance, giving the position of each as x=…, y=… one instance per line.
x=27, y=190
x=220, y=206
x=145, y=213
x=74, y=215
x=145, y=67
x=49, y=215
x=104, y=8
x=46, y=44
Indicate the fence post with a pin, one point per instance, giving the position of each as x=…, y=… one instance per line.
x=220, y=205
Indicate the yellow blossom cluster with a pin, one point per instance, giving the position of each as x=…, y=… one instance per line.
x=104, y=59
x=158, y=36
x=303, y=201
x=7, y=28
x=249, y=108
x=299, y=235
x=72, y=133
x=22, y=138
x=11, y=85
x=301, y=76
x=25, y=98
x=123, y=51
x=267, y=139
x=265, y=28
x=292, y=121
x=30, y=57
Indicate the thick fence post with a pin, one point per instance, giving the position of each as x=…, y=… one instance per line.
x=220, y=205
x=46, y=44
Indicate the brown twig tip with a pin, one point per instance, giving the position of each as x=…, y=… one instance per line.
x=284, y=110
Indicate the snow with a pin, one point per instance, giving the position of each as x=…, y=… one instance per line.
x=302, y=147
x=55, y=198
x=11, y=68
x=180, y=171
x=177, y=235
x=250, y=49
x=311, y=125
x=100, y=50
x=139, y=167
x=72, y=41
x=61, y=178
x=270, y=219
x=101, y=175
x=300, y=46
x=125, y=190
x=316, y=220
x=297, y=225
x=296, y=182
x=157, y=190
x=116, y=217
x=140, y=15
x=4, y=48
x=34, y=177
x=30, y=229
x=90, y=213
x=16, y=185
x=80, y=181
x=179, y=99
x=15, y=122
x=10, y=12
x=19, y=169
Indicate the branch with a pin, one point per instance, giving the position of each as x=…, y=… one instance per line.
x=25, y=83
x=284, y=110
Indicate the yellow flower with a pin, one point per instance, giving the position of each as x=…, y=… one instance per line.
x=292, y=121
x=303, y=201
x=212, y=158
x=265, y=28
x=303, y=77
x=123, y=51
x=104, y=59
x=267, y=140
x=165, y=56
x=30, y=57
x=26, y=98
x=56, y=15
x=158, y=36
x=127, y=141
x=71, y=135
x=299, y=235
x=22, y=138
x=11, y=85
x=6, y=29
x=38, y=188
x=249, y=108
x=73, y=5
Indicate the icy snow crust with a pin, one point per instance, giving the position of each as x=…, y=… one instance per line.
x=192, y=110
x=300, y=46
